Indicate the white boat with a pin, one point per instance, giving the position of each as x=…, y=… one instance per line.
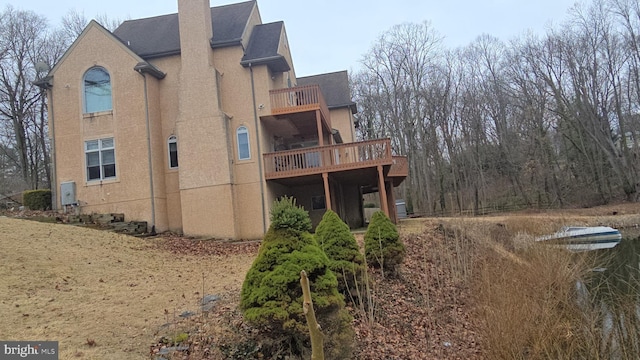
x=582, y=238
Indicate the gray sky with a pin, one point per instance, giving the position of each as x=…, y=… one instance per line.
x=346, y=29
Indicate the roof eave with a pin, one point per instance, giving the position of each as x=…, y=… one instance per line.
x=159, y=54
x=44, y=83
x=276, y=63
x=225, y=43
x=352, y=106
x=146, y=68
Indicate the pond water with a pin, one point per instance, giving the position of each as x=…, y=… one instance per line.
x=611, y=298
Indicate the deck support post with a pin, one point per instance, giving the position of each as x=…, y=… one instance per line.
x=319, y=126
x=327, y=192
x=382, y=190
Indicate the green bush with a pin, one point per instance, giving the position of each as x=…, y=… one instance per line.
x=382, y=245
x=345, y=260
x=37, y=199
x=369, y=205
x=285, y=214
x=271, y=297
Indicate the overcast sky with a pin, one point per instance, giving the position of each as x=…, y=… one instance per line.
x=333, y=35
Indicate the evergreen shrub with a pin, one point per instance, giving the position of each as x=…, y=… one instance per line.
x=382, y=245
x=271, y=297
x=345, y=260
x=37, y=199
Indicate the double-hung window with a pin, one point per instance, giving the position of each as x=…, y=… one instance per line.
x=100, y=158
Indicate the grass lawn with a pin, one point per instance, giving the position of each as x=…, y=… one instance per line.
x=80, y=286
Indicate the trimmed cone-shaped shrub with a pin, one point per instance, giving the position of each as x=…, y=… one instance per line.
x=345, y=260
x=271, y=298
x=382, y=245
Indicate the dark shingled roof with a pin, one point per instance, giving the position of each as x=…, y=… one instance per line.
x=335, y=88
x=263, y=47
x=160, y=35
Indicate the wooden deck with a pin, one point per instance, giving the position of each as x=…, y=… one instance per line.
x=300, y=99
x=330, y=158
x=399, y=169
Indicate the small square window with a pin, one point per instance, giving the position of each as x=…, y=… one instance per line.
x=318, y=202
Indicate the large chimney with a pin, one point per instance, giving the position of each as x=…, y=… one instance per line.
x=195, y=32
x=205, y=179
x=198, y=75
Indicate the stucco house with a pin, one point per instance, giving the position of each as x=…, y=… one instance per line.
x=196, y=122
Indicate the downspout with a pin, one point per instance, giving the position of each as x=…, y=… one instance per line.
x=146, y=109
x=255, y=119
x=54, y=181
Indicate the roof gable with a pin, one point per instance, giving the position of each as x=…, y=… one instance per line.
x=160, y=36
x=263, y=47
x=92, y=25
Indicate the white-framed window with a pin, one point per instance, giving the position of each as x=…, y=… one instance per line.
x=100, y=158
x=97, y=90
x=244, y=150
x=172, y=146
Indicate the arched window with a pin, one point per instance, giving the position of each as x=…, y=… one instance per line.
x=97, y=90
x=244, y=152
x=173, y=152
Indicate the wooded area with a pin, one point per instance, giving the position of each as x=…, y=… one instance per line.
x=539, y=121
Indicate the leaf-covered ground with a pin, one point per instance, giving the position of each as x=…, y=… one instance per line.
x=423, y=313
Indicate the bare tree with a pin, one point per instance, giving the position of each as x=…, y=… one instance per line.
x=74, y=22
x=22, y=39
x=545, y=121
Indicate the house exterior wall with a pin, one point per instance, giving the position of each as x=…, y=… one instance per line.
x=166, y=104
x=129, y=191
x=342, y=120
x=304, y=195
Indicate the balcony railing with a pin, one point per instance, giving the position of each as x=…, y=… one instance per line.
x=298, y=99
x=329, y=158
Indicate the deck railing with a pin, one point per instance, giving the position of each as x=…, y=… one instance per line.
x=297, y=99
x=328, y=158
x=400, y=166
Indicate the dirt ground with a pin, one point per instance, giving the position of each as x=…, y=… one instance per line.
x=101, y=295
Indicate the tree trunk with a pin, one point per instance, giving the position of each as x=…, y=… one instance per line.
x=317, y=338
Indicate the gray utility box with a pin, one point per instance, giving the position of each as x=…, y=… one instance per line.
x=68, y=193
x=401, y=207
